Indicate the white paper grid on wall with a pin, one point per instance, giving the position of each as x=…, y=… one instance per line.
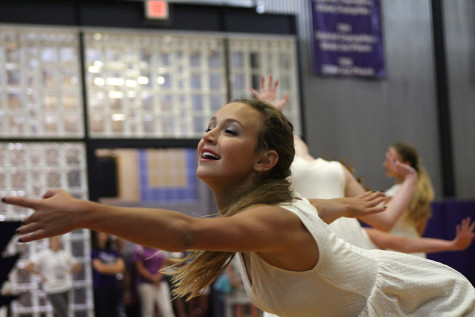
x=169, y=85
x=148, y=85
x=40, y=83
x=27, y=169
x=250, y=58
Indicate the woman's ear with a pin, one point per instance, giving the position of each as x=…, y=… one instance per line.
x=267, y=161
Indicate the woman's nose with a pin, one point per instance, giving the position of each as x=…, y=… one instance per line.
x=210, y=136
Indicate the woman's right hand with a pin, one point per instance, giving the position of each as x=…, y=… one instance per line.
x=57, y=213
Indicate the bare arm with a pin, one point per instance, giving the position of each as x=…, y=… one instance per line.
x=59, y=213
x=273, y=232
x=331, y=209
x=463, y=239
x=395, y=207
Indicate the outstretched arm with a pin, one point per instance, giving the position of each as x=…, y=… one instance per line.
x=59, y=212
x=331, y=209
x=262, y=228
x=269, y=93
x=462, y=240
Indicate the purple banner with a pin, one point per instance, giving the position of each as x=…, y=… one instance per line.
x=347, y=38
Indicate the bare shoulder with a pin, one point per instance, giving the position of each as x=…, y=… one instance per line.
x=293, y=247
x=276, y=223
x=274, y=214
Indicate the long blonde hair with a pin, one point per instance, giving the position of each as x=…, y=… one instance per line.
x=420, y=205
x=199, y=269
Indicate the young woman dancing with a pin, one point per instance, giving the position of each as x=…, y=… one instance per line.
x=291, y=264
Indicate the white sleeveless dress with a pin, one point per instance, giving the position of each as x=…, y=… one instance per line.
x=350, y=281
x=326, y=180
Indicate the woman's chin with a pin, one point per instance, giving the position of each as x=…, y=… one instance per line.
x=205, y=176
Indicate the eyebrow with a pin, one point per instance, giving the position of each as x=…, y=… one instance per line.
x=213, y=119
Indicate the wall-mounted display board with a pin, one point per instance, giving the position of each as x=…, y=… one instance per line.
x=347, y=38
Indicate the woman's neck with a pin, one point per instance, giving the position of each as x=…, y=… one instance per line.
x=225, y=195
x=301, y=149
x=399, y=180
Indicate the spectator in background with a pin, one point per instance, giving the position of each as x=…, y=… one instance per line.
x=130, y=298
x=178, y=303
x=107, y=268
x=153, y=289
x=198, y=306
x=55, y=267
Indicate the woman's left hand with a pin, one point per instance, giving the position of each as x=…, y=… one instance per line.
x=465, y=234
x=269, y=94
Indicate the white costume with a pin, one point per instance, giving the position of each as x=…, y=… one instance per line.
x=323, y=179
x=350, y=281
x=403, y=227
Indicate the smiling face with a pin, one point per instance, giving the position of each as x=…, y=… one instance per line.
x=227, y=152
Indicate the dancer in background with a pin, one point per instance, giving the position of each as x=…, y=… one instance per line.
x=414, y=220
x=291, y=264
x=55, y=267
x=346, y=185
x=318, y=178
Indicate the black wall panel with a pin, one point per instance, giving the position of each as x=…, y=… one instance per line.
x=131, y=14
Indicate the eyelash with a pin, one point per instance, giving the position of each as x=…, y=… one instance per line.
x=227, y=131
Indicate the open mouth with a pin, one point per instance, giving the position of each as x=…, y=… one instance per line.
x=210, y=156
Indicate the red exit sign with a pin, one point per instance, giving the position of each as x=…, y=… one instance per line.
x=157, y=10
